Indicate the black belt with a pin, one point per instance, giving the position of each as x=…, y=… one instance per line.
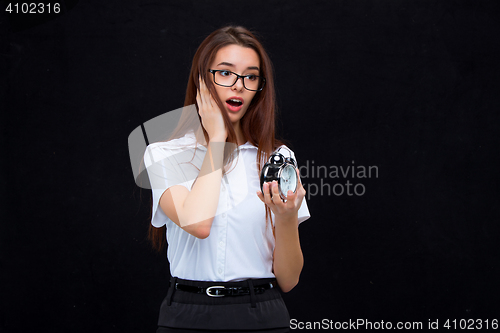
x=220, y=291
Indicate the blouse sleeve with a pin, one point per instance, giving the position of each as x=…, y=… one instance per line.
x=166, y=168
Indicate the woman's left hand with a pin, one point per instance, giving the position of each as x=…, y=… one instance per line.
x=272, y=199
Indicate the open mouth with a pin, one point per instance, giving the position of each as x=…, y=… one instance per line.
x=234, y=104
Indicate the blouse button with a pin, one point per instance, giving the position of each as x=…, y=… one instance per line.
x=223, y=188
x=220, y=270
x=221, y=243
x=224, y=215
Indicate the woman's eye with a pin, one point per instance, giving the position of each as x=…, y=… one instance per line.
x=252, y=77
x=225, y=73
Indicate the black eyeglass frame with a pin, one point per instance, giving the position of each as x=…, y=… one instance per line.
x=213, y=71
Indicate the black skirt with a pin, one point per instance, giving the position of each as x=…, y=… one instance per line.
x=184, y=311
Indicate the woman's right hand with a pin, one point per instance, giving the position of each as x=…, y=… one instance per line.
x=211, y=116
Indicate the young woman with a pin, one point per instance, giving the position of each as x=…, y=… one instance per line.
x=231, y=248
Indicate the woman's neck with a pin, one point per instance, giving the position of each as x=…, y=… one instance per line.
x=240, y=138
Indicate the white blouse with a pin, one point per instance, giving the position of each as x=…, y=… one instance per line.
x=241, y=242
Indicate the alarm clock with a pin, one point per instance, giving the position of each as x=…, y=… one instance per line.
x=282, y=169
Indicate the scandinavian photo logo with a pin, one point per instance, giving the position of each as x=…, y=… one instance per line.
x=335, y=180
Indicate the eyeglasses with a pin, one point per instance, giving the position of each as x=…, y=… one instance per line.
x=227, y=78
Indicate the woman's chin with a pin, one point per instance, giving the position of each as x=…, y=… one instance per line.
x=235, y=117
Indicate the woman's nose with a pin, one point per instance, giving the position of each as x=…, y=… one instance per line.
x=239, y=84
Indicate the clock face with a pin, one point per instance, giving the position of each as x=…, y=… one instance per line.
x=288, y=180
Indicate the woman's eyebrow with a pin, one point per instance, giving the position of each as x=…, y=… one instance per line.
x=231, y=65
x=225, y=64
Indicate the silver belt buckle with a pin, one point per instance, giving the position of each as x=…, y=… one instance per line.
x=216, y=291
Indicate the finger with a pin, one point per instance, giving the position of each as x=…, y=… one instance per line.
x=208, y=98
x=201, y=106
x=260, y=195
x=290, y=198
x=298, y=176
x=212, y=100
x=198, y=100
x=203, y=93
x=299, y=196
x=300, y=188
x=200, y=83
x=199, y=96
x=267, y=195
x=276, y=193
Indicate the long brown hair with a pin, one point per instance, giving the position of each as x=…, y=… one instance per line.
x=258, y=123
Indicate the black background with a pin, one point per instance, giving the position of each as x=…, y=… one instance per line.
x=407, y=86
